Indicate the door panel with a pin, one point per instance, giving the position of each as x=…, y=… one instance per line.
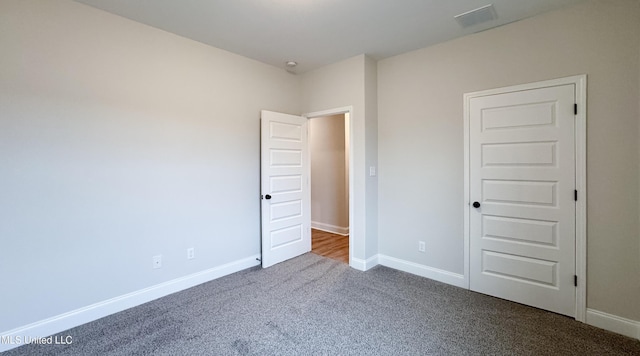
x=519, y=268
x=520, y=230
x=286, y=219
x=519, y=192
x=522, y=115
x=519, y=154
x=522, y=172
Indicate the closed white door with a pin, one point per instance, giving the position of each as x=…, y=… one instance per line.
x=521, y=185
x=286, y=199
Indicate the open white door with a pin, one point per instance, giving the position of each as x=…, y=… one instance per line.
x=286, y=198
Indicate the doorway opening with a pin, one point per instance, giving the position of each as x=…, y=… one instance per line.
x=285, y=185
x=329, y=182
x=347, y=114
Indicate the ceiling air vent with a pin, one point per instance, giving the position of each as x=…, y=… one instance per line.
x=477, y=16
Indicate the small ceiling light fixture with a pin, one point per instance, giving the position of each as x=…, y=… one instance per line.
x=477, y=16
x=291, y=64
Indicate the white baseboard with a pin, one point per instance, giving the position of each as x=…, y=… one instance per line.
x=340, y=230
x=614, y=323
x=423, y=271
x=62, y=322
x=364, y=265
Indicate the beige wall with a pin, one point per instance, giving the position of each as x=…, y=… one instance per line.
x=329, y=185
x=371, y=146
x=119, y=142
x=421, y=136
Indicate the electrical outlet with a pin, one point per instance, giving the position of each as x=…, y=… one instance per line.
x=157, y=261
x=422, y=246
x=191, y=253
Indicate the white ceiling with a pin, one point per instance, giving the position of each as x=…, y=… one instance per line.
x=315, y=33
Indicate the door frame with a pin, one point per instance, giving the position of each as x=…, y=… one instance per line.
x=580, y=82
x=353, y=233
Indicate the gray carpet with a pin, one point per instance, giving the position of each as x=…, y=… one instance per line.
x=312, y=305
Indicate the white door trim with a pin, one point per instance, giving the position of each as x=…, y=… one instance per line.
x=580, y=82
x=353, y=231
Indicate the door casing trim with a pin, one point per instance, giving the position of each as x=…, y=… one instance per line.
x=580, y=82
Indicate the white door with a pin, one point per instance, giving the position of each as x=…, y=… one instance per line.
x=286, y=199
x=521, y=185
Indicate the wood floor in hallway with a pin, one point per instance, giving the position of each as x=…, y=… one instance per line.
x=330, y=245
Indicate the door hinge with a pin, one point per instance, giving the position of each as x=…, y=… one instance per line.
x=575, y=280
x=575, y=195
x=575, y=109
